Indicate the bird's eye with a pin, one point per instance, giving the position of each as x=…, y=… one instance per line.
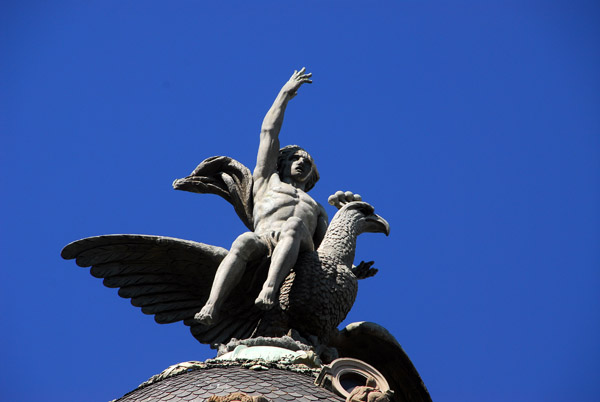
x=367, y=209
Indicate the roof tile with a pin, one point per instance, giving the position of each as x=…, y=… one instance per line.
x=275, y=384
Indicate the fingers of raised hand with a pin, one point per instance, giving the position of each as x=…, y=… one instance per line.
x=340, y=198
x=305, y=79
x=298, y=73
x=300, y=76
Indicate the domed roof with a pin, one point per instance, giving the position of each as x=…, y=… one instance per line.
x=261, y=372
x=200, y=381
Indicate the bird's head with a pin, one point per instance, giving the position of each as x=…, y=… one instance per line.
x=365, y=218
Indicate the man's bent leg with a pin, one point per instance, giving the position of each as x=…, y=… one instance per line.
x=246, y=247
x=293, y=238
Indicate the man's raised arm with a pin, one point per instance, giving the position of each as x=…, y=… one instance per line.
x=268, y=149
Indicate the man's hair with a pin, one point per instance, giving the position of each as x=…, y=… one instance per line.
x=286, y=152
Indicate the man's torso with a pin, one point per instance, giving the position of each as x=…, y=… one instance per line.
x=275, y=202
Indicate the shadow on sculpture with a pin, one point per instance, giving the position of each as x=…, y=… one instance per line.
x=291, y=274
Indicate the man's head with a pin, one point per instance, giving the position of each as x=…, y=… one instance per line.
x=296, y=163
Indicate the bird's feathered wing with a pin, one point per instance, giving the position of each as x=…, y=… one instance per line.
x=374, y=345
x=225, y=177
x=171, y=279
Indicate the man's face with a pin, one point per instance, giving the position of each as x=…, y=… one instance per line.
x=298, y=166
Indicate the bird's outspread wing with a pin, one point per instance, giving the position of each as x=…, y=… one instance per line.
x=169, y=278
x=374, y=345
x=225, y=177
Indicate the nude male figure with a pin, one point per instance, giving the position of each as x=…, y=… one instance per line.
x=286, y=219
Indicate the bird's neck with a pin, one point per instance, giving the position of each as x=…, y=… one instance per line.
x=340, y=241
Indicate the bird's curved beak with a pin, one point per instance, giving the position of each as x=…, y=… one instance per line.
x=376, y=224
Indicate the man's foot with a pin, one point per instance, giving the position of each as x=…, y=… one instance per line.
x=265, y=299
x=206, y=316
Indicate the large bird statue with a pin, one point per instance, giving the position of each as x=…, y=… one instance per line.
x=171, y=278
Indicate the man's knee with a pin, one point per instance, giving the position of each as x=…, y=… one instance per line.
x=245, y=245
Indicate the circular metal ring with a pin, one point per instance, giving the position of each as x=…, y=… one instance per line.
x=345, y=365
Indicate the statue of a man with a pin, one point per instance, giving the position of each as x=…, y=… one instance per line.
x=286, y=219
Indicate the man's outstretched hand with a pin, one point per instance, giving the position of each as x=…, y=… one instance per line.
x=341, y=198
x=295, y=81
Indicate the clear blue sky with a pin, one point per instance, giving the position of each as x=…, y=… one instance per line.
x=472, y=127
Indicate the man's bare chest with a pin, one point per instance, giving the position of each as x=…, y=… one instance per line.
x=286, y=199
x=289, y=194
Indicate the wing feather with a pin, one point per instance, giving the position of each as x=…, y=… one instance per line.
x=118, y=268
x=150, y=299
x=160, y=308
x=145, y=290
x=177, y=315
x=118, y=281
